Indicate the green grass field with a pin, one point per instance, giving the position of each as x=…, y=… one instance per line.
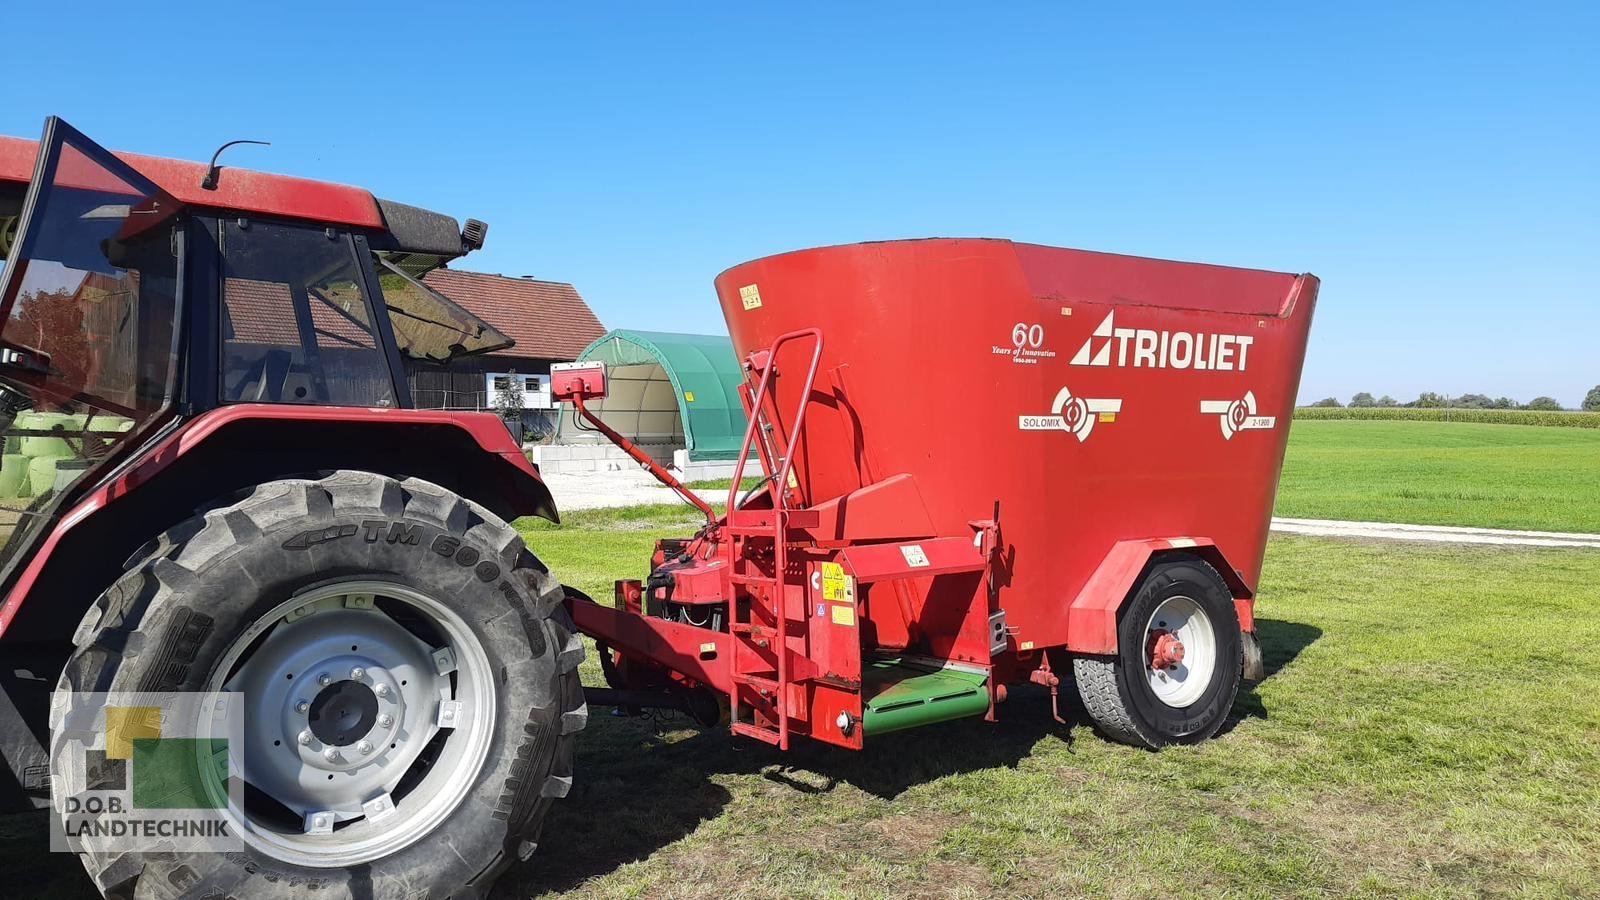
x=1443, y=473
x=1542, y=417
x=1431, y=734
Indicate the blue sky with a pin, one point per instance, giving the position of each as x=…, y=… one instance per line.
x=1435, y=164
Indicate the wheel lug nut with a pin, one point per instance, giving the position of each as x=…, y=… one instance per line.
x=385, y=720
x=300, y=706
x=331, y=755
x=381, y=690
x=304, y=737
x=357, y=673
x=324, y=679
x=365, y=747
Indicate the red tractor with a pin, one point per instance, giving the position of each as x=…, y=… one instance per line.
x=214, y=479
x=986, y=465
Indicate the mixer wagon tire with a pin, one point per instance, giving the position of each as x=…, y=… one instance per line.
x=408, y=680
x=1178, y=664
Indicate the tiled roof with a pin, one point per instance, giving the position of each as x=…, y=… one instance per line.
x=262, y=313
x=547, y=319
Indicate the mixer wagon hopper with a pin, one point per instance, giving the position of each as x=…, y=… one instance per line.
x=990, y=463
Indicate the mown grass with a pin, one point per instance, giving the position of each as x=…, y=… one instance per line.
x=1429, y=728
x=1443, y=473
x=1544, y=417
x=711, y=484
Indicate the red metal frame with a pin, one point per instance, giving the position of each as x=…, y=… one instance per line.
x=766, y=362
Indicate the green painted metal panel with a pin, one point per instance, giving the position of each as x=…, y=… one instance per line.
x=904, y=694
x=701, y=366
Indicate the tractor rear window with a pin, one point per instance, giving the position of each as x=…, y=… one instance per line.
x=296, y=324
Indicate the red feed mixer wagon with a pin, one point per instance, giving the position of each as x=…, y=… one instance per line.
x=987, y=464
x=990, y=463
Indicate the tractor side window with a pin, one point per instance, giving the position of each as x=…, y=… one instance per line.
x=296, y=324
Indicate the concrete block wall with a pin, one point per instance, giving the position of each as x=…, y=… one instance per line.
x=577, y=459
x=707, y=470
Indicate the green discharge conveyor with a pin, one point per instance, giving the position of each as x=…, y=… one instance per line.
x=903, y=693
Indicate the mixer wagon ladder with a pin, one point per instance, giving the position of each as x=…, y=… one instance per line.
x=761, y=665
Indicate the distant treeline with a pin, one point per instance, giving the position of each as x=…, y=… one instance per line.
x=1430, y=400
x=1558, y=418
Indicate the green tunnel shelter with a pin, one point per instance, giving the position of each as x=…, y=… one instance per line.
x=668, y=391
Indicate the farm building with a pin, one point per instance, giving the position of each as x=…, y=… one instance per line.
x=548, y=321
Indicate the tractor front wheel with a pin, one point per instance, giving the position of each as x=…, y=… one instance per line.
x=408, y=681
x=1178, y=663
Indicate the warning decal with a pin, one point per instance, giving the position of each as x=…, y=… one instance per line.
x=836, y=585
x=750, y=295
x=914, y=556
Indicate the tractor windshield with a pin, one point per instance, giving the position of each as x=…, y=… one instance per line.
x=89, y=291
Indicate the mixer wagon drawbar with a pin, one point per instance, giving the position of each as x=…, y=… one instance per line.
x=266, y=630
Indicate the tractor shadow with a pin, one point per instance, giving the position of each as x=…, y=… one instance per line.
x=641, y=786
x=644, y=784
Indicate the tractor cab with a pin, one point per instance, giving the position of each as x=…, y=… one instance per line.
x=137, y=293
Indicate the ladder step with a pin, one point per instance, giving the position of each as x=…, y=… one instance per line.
x=770, y=735
x=751, y=579
x=759, y=682
x=753, y=629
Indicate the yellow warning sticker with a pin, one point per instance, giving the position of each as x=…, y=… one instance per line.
x=794, y=483
x=836, y=585
x=1108, y=417
x=751, y=295
x=844, y=615
x=688, y=396
x=1025, y=645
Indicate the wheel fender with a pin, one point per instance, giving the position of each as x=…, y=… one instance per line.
x=1092, y=617
x=212, y=447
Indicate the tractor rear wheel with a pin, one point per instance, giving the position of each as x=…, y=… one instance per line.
x=1178, y=663
x=408, y=676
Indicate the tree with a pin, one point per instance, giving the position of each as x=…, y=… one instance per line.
x=1387, y=400
x=1505, y=403
x=1591, y=400
x=1545, y=403
x=1472, y=401
x=508, y=399
x=1430, y=400
x=1328, y=402
x=1363, y=399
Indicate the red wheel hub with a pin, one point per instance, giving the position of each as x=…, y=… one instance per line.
x=1166, y=651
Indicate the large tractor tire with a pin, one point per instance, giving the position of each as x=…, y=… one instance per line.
x=1178, y=663
x=409, y=676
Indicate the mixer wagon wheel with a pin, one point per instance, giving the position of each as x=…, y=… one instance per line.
x=404, y=670
x=1178, y=662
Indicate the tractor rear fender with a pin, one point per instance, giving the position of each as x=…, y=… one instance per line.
x=236, y=447
x=1092, y=617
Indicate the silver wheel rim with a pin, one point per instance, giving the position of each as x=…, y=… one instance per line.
x=1179, y=619
x=342, y=703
